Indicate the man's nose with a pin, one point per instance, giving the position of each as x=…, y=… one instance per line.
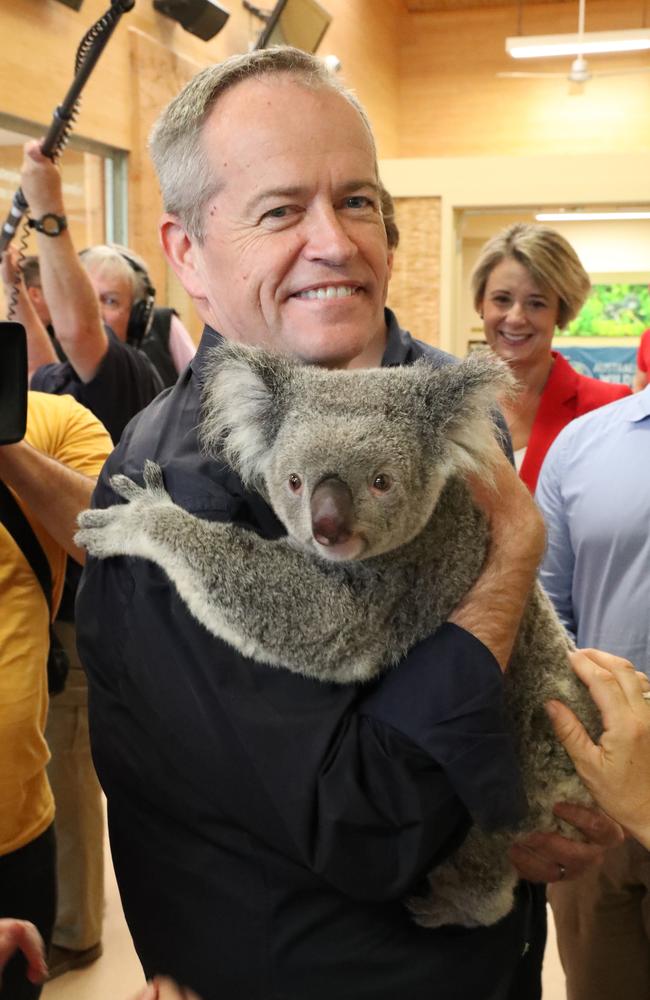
x=327, y=238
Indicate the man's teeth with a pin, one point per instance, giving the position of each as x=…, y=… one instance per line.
x=328, y=292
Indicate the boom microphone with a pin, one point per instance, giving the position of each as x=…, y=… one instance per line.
x=91, y=47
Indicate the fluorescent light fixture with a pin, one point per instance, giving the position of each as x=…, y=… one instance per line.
x=590, y=216
x=589, y=43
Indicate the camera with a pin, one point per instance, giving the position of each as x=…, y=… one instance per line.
x=13, y=382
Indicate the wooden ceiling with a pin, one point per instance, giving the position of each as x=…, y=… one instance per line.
x=418, y=6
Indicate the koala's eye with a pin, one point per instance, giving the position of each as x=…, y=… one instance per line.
x=381, y=483
x=295, y=483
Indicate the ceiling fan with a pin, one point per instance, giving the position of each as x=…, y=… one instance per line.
x=579, y=71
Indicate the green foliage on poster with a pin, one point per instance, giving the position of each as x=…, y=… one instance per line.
x=620, y=310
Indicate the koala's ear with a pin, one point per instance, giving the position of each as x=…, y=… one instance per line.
x=245, y=398
x=461, y=400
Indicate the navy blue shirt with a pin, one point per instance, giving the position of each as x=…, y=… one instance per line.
x=265, y=827
x=123, y=384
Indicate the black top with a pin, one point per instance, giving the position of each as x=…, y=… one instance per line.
x=156, y=345
x=123, y=384
x=264, y=826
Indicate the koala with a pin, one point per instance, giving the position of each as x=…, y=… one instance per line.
x=367, y=472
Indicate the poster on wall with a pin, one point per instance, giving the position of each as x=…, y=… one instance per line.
x=609, y=364
x=616, y=309
x=612, y=310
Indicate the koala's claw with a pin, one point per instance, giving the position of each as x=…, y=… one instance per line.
x=126, y=488
x=152, y=491
x=95, y=518
x=153, y=477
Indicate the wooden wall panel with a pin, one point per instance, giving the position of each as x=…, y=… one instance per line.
x=365, y=36
x=452, y=103
x=37, y=67
x=414, y=287
x=157, y=74
x=148, y=59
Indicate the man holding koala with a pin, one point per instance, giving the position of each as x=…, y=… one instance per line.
x=266, y=826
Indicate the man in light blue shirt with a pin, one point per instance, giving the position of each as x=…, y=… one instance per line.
x=594, y=493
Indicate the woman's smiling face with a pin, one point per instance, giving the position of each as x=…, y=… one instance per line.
x=519, y=316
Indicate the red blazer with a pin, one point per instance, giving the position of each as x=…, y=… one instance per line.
x=566, y=395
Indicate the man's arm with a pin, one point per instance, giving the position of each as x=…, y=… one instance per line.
x=556, y=572
x=40, y=350
x=54, y=493
x=67, y=289
x=640, y=380
x=493, y=608
x=492, y=611
x=617, y=769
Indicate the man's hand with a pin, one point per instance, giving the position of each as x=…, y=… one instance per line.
x=67, y=289
x=492, y=609
x=41, y=182
x=617, y=770
x=162, y=988
x=550, y=857
x=20, y=935
x=9, y=267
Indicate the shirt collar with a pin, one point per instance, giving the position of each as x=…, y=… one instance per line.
x=639, y=405
x=400, y=346
x=209, y=339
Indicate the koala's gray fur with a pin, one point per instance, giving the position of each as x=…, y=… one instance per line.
x=344, y=614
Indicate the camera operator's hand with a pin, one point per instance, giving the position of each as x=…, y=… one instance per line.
x=41, y=182
x=40, y=350
x=162, y=988
x=21, y=935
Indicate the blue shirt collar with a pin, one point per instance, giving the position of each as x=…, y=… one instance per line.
x=640, y=405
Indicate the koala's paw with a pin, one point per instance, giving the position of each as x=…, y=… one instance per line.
x=121, y=530
x=152, y=492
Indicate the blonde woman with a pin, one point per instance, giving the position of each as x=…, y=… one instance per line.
x=527, y=282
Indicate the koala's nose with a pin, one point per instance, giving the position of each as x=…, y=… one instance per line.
x=331, y=511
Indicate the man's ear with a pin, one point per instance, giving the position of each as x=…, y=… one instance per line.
x=391, y=259
x=181, y=252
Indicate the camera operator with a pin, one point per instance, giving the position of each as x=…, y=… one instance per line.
x=50, y=476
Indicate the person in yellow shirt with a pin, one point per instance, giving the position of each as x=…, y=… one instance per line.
x=52, y=474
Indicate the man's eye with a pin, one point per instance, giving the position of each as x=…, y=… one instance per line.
x=358, y=201
x=277, y=213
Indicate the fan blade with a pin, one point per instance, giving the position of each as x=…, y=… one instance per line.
x=619, y=72
x=533, y=76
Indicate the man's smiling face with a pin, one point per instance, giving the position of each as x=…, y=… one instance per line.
x=294, y=256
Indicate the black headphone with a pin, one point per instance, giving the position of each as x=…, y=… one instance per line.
x=141, y=316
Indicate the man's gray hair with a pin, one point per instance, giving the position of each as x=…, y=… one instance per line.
x=187, y=180
x=116, y=260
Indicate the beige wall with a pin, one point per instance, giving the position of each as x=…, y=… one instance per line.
x=498, y=182
x=453, y=104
